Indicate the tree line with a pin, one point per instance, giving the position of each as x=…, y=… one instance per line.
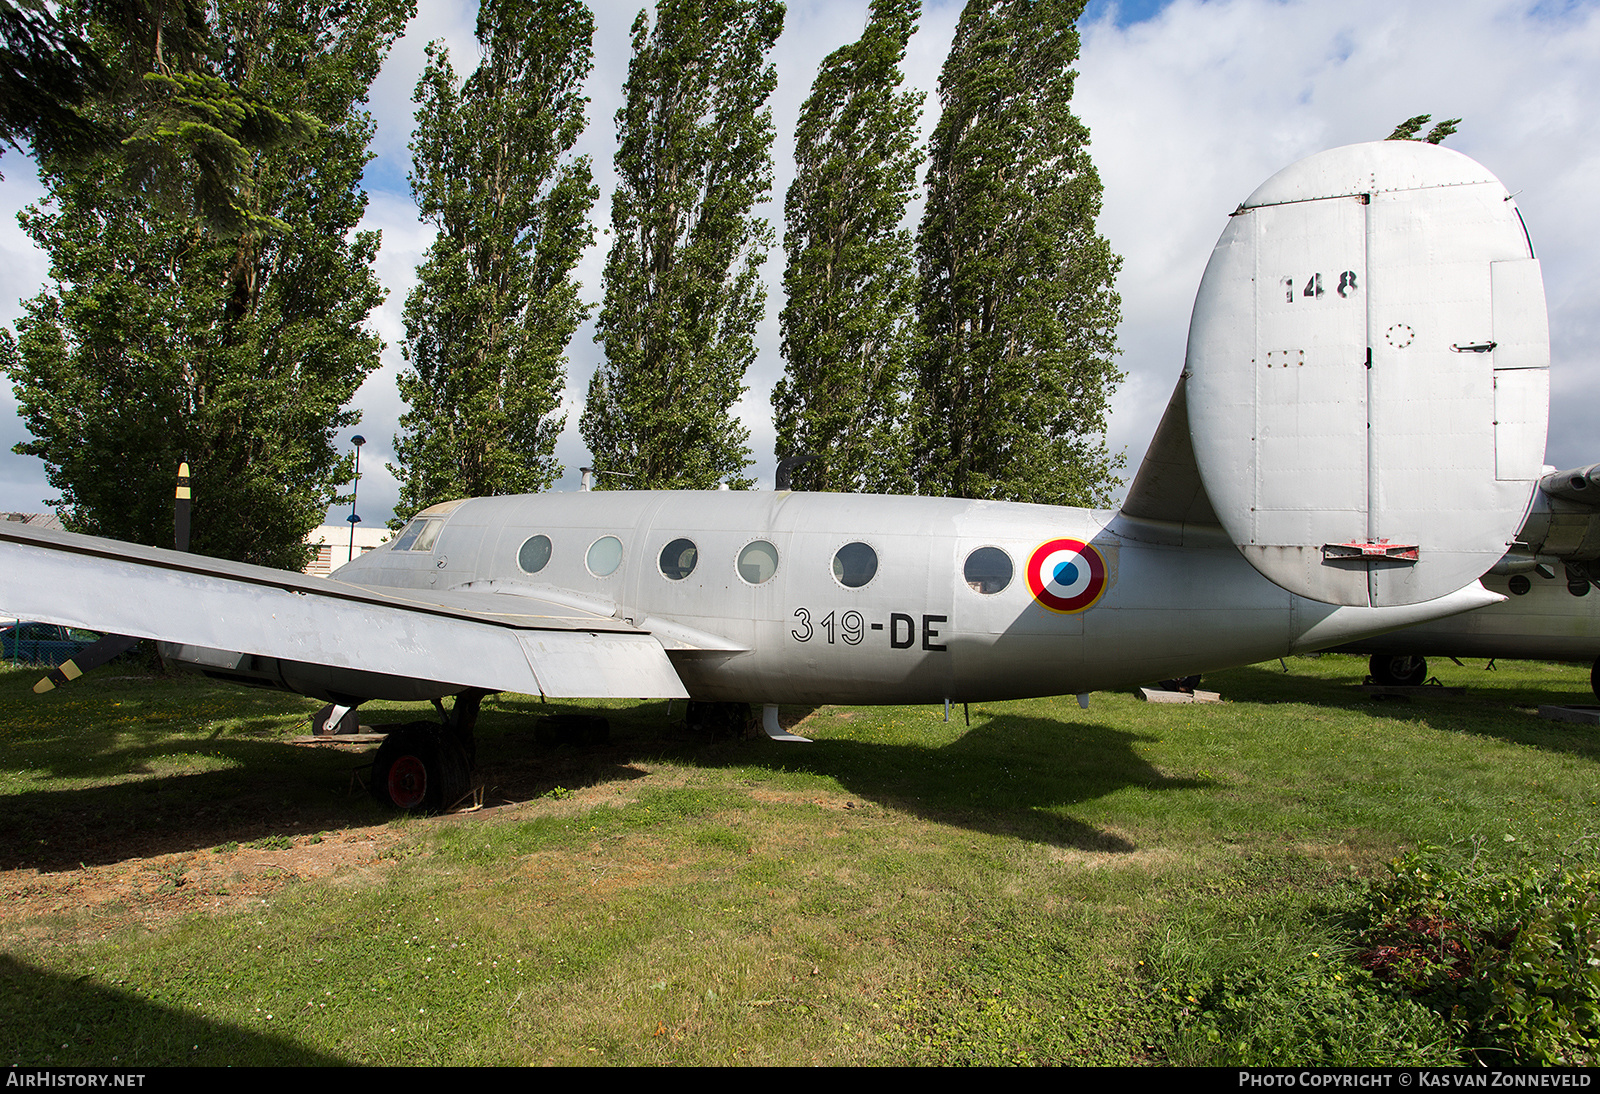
x=203, y=169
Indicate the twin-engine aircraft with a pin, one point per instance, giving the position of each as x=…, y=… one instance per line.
x=1357, y=436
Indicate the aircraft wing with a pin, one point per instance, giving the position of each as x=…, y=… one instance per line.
x=521, y=643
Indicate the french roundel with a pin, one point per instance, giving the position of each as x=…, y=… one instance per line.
x=1066, y=575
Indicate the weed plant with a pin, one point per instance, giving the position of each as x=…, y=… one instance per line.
x=1508, y=954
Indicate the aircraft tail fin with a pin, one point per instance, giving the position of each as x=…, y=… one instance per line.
x=1367, y=378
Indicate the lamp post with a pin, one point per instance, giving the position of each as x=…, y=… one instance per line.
x=355, y=488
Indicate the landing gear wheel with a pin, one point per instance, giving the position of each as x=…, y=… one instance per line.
x=455, y=772
x=1594, y=678
x=1397, y=669
x=419, y=769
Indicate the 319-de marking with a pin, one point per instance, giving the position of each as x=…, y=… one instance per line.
x=851, y=628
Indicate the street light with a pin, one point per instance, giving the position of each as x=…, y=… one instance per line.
x=355, y=488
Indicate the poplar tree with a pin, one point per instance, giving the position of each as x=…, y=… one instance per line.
x=1018, y=306
x=178, y=330
x=683, y=293
x=850, y=279
x=495, y=305
x=47, y=73
x=1411, y=129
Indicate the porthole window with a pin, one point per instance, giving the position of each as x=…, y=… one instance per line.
x=534, y=555
x=678, y=559
x=854, y=564
x=605, y=555
x=758, y=562
x=988, y=570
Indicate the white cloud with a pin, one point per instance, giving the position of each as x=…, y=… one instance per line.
x=1189, y=111
x=1192, y=109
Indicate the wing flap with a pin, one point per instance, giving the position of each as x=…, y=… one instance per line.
x=457, y=639
x=573, y=665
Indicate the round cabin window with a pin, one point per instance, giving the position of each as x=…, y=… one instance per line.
x=854, y=565
x=678, y=559
x=605, y=555
x=988, y=570
x=758, y=562
x=534, y=554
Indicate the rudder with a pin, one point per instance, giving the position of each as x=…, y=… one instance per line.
x=1368, y=374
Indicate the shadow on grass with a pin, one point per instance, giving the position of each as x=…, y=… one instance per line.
x=1503, y=707
x=49, y=1019
x=270, y=789
x=1008, y=774
x=174, y=763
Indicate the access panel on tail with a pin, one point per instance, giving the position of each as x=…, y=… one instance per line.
x=1367, y=374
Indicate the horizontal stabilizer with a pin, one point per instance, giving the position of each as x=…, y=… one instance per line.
x=483, y=640
x=1581, y=484
x=1367, y=375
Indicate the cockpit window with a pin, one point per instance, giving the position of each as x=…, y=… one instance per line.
x=427, y=536
x=419, y=535
x=988, y=570
x=408, y=535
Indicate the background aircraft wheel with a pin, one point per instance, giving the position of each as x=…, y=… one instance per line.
x=408, y=773
x=1594, y=678
x=1397, y=670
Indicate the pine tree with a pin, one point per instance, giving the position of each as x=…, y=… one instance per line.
x=495, y=305
x=1018, y=307
x=850, y=280
x=167, y=339
x=683, y=293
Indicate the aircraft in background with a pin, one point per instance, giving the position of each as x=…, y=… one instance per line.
x=1355, y=438
x=1546, y=578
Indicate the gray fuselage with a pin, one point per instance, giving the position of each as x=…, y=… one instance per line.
x=1175, y=600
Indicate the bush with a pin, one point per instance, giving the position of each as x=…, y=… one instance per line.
x=1317, y=1013
x=1270, y=979
x=1511, y=957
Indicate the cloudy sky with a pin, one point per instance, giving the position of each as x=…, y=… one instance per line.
x=1191, y=104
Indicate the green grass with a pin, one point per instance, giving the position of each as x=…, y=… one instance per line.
x=1134, y=883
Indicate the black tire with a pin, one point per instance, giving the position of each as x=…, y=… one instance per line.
x=1399, y=670
x=1594, y=678
x=455, y=771
x=408, y=773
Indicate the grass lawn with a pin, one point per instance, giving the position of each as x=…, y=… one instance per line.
x=180, y=884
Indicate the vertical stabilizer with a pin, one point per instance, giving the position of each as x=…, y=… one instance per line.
x=1368, y=374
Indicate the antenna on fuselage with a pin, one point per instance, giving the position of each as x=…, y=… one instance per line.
x=784, y=478
x=588, y=473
